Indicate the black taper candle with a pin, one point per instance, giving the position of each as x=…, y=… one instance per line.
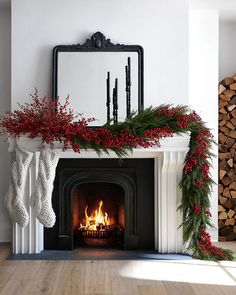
x=108, y=97
x=116, y=101
x=126, y=78
x=126, y=90
x=129, y=70
x=114, y=104
x=128, y=84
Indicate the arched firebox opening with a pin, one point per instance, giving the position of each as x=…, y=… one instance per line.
x=102, y=203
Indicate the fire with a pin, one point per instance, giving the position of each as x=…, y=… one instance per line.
x=97, y=220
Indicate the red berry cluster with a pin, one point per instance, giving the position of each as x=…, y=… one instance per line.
x=202, y=143
x=167, y=111
x=183, y=121
x=206, y=245
x=205, y=170
x=156, y=134
x=190, y=163
x=40, y=118
x=108, y=139
x=197, y=209
x=198, y=183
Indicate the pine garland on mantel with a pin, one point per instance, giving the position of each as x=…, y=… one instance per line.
x=143, y=129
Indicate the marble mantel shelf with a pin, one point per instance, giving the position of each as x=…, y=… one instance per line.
x=168, y=164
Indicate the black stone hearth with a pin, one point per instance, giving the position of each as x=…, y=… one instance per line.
x=127, y=189
x=99, y=254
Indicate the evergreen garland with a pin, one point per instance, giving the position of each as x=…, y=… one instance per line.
x=143, y=129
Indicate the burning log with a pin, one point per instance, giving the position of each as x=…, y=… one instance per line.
x=98, y=224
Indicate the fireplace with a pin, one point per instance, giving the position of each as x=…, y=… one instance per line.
x=151, y=219
x=103, y=203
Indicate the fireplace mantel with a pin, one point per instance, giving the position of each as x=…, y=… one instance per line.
x=175, y=143
x=168, y=161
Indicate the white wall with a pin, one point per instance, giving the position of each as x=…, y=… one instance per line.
x=160, y=26
x=5, y=92
x=227, y=56
x=203, y=81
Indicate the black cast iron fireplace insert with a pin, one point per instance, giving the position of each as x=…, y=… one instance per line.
x=103, y=203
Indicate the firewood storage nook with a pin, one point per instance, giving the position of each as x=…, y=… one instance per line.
x=227, y=159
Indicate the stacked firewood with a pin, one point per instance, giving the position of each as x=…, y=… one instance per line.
x=227, y=159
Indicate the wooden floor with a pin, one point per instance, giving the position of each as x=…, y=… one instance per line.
x=182, y=277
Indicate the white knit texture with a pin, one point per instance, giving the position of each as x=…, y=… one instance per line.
x=41, y=199
x=14, y=198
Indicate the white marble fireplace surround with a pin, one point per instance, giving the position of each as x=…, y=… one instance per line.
x=168, y=162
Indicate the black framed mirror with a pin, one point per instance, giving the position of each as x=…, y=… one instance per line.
x=103, y=80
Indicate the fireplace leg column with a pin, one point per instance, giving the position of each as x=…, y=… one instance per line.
x=168, y=170
x=29, y=239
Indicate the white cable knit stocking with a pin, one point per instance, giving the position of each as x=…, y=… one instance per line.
x=40, y=200
x=14, y=198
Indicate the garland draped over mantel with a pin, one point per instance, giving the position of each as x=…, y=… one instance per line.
x=143, y=129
